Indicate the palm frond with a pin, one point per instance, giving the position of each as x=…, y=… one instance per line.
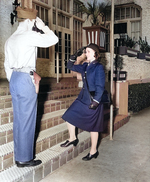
x=95, y=10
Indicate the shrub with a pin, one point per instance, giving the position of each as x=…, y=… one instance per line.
x=139, y=97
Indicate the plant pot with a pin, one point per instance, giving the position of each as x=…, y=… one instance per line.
x=147, y=57
x=132, y=52
x=141, y=55
x=122, y=50
x=118, y=75
x=96, y=35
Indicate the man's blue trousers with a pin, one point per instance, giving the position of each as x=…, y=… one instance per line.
x=24, y=99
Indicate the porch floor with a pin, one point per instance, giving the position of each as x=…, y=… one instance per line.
x=126, y=158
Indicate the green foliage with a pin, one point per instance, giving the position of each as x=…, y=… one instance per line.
x=118, y=62
x=144, y=47
x=129, y=42
x=138, y=97
x=95, y=10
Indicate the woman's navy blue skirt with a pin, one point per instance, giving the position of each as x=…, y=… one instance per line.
x=79, y=115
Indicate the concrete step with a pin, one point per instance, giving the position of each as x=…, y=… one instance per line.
x=52, y=158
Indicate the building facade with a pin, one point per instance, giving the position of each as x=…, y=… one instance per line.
x=131, y=18
x=60, y=16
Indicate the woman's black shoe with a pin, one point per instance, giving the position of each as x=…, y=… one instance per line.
x=67, y=143
x=89, y=156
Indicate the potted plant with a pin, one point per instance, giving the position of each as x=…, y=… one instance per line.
x=144, y=48
x=128, y=47
x=118, y=66
x=118, y=75
x=94, y=12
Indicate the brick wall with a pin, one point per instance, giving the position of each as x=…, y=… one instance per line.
x=145, y=17
x=45, y=68
x=6, y=29
x=136, y=68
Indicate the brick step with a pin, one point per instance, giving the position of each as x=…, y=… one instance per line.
x=6, y=100
x=14, y=174
x=49, y=127
x=49, y=84
x=47, y=121
x=44, y=121
x=46, y=140
x=46, y=85
x=6, y=115
x=58, y=94
x=54, y=105
x=4, y=90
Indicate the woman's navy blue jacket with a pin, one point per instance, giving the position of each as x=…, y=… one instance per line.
x=95, y=77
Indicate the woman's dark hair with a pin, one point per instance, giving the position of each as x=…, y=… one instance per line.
x=97, y=56
x=95, y=47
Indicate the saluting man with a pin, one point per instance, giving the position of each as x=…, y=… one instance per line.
x=20, y=67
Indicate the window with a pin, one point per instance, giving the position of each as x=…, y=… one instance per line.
x=77, y=35
x=54, y=18
x=44, y=1
x=120, y=28
x=76, y=5
x=58, y=50
x=43, y=14
x=123, y=13
x=63, y=5
x=67, y=50
x=127, y=12
x=135, y=29
x=63, y=21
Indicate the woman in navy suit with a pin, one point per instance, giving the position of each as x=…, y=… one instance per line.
x=86, y=113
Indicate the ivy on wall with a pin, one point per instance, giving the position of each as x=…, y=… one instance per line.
x=139, y=97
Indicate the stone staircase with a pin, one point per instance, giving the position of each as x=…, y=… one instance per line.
x=53, y=100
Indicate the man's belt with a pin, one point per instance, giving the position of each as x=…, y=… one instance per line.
x=24, y=70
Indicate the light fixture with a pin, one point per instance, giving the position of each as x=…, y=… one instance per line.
x=14, y=14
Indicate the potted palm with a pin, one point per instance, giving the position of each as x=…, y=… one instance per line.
x=118, y=74
x=118, y=66
x=144, y=48
x=94, y=12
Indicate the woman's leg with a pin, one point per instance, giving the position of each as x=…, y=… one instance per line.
x=93, y=152
x=72, y=136
x=94, y=140
x=71, y=129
